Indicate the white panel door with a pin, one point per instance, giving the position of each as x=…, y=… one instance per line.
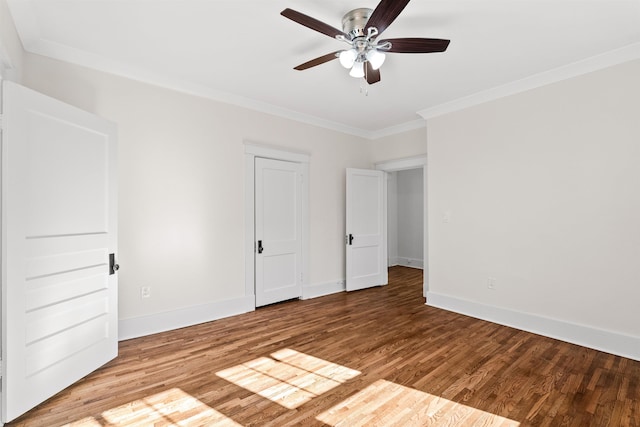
x=278, y=216
x=366, y=229
x=59, y=300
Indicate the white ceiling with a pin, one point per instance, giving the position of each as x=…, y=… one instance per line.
x=243, y=51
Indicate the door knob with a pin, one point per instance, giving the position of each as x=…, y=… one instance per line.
x=113, y=267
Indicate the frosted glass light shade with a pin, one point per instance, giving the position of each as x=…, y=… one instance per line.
x=347, y=58
x=376, y=58
x=357, y=70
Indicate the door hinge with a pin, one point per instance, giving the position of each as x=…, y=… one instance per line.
x=1, y=122
x=300, y=277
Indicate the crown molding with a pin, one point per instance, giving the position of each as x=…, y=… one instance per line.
x=402, y=127
x=28, y=30
x=99, y=63
x=594, y=63
x=32, y=41
x=96, y=62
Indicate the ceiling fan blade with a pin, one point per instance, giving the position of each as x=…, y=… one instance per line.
x=416, y=45
x=371, y=76
x=385, y=13
x=317, y=61
x=312, y=23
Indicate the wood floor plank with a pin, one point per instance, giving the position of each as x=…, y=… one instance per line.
x=373, y=357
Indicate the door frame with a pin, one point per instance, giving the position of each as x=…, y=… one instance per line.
x=419, y=162
x=251, y=151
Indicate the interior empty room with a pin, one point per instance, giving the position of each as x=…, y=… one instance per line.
x=214, y=214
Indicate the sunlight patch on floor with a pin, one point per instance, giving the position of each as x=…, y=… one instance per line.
x=172, y=407
x=385, y=403
x=288, y=377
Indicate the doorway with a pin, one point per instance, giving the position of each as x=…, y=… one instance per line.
x=405, y=233
x=414, y=163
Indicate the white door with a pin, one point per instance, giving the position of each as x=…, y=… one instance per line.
x=366, y=229
x=278, y=216
x=59, y=300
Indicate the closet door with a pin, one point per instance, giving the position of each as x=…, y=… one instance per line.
x=278, y=230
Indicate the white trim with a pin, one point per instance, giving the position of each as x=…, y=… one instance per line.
x=321, y=289
x=392, y=130
x=586, y=336
x=253, y=150
x=402, y=164
x=161, y=322
x=598, y=62
x=7, y=72
x=249, y=223
x=33, y=43
x=413, y=163
x=409, y=262
x=276, y=153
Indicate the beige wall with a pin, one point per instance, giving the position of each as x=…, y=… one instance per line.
x=399, y=146
x=543, y=192
x=181, y=192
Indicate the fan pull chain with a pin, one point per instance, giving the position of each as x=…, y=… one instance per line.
x=364, y=90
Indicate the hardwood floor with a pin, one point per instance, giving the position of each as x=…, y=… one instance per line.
x=372, y=357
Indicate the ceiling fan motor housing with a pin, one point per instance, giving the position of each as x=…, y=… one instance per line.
x=354, y=22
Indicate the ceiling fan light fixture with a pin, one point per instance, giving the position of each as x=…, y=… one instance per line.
x=375, y=58
x=348, y=57
x=357, y=70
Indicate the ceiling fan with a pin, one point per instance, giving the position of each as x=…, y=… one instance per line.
x=361, y=29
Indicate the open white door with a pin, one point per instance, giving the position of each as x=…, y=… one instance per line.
x=59, y=227
x=366, y=229
x=278, y=216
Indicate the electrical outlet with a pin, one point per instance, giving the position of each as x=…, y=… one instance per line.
x=491, y=283
x=145, y=292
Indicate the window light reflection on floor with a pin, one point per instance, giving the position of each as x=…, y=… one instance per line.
x=288, y=377
x=385, y=403
x=171, y=407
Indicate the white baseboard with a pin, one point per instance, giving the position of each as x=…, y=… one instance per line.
x=409, y=262
x=321, y=289
x=152, y=324
x=146, y=325
x=610, y=342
